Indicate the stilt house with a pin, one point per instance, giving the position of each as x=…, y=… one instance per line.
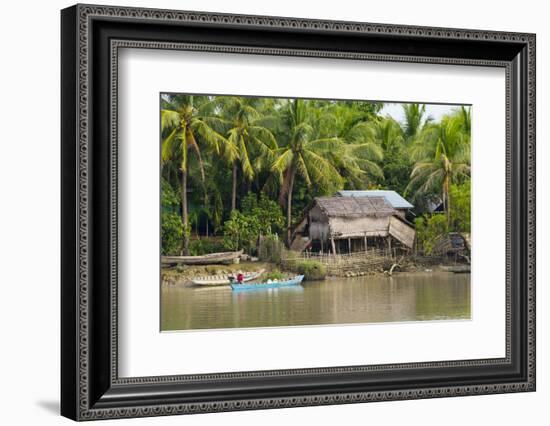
x=347, y=224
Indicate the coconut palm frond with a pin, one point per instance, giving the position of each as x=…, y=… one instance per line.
x=284, y=158
x=167, y=148
x=321, y=170
x=209, y=136
x=370, y=167
x=326, y=145
x=368, y=150
x=302, y=169
x=244, y=158
x=169, y=119
x=264, y=136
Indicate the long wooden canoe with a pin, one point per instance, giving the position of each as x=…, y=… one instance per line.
x=457, y=269
x=224, y=279
x=207, y=259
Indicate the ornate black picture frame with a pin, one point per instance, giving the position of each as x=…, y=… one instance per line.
x=91, y=387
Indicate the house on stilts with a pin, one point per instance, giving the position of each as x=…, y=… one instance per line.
x=347, y=223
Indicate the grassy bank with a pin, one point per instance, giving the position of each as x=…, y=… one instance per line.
x=182, y=275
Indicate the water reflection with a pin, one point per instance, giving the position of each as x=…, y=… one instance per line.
x=404, y=297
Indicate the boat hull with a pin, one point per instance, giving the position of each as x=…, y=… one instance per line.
x=287, y=283
x=224, y=279
x=458, y=269
x=207, y=259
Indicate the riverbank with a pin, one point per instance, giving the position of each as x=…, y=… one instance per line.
x=410, y=268
x=183, y=274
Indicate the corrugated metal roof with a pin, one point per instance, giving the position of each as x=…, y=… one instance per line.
x=396, y=200
x=354, y=207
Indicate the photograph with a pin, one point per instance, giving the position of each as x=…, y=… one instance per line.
x=279, y=212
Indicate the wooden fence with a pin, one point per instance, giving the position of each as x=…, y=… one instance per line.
x=342, y=264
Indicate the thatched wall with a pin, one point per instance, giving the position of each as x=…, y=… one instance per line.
x=401, y=213
x=319, y=231
x=402, y=232
x=342, y=227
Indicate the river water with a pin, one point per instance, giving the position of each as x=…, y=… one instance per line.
x=369, y=299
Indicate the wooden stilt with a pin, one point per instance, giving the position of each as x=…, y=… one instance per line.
x=333, y=245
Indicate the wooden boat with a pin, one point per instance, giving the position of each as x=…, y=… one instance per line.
x=224, y=279
x=207, y=259
x=269, y=284
x=458, y=269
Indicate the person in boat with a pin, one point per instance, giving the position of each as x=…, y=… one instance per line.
x=240, y=277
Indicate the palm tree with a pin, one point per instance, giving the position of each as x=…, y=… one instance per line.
x=387, y=133
x=414, y=120
x=247, y=135
x=443, y=154
x=187, y=123
x=361, y=151
x=304, y=153
x=465, y=119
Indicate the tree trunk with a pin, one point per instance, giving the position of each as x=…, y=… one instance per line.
x=234, y=189
x=444, y=198
x=447, y=199
x=289, y=205
x=206, y=212
x=184, y=213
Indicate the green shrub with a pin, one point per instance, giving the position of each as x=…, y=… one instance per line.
x=460, y=207
x=267, y=213
x=271, y=249
x=257, y=217
x=171, y=233
x=429, y=230
x=310, y=269
x=171, y=226
x=240, y=232
x=205, y=246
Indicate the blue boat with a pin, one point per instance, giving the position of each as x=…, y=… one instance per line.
x=273, y=284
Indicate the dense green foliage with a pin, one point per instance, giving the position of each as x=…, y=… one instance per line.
x=241, y=167
x=429, y=229
x=171, y=226
x=171, y=233
x=202, y=246
x=243, y=228
x=310, y=269
x=461, y=202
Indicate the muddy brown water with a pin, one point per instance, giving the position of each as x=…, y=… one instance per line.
x=419, y=296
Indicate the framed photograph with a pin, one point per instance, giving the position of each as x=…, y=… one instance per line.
x=264, y=212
